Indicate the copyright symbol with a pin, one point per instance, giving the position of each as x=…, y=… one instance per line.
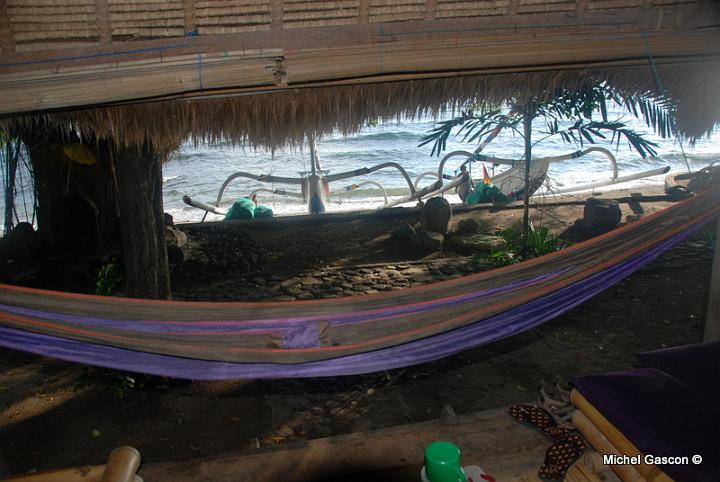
x=697, y=459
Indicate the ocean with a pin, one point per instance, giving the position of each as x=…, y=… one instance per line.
x=200, y=171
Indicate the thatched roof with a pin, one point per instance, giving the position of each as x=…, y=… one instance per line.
x=285, y=117
x=315, y=67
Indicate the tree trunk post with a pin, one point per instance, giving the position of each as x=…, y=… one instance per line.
x=139, y=177
x=712, y=320
x=527, y=129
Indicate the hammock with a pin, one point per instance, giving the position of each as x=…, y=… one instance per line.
x=342, y=336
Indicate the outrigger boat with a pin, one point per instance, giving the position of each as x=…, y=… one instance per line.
x=315, y=184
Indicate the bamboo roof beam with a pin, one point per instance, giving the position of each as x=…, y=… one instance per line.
x=57, y=85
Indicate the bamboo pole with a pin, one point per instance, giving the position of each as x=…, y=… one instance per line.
x=122, y=465
x=712, y=320
x=62, y=86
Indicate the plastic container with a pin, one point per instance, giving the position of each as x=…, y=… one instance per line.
x=442, y=464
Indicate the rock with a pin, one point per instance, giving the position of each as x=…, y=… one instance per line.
x=309, y=280
x=284, y=298
x=468, y=244
x=289, y=283
x=176, y=243
x=20, y=243
x=468, y=226
x=286, y=431
x=428, y=240
x=447, y=411
x=305, y=296
x=436, y=214
x=603, y=214
x=402, y=233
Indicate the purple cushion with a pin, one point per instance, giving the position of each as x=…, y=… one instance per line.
x=661, y=416
x=696, y=365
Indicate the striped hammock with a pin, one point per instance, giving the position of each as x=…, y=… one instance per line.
x=342, y=336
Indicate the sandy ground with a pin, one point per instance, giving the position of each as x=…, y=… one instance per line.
x=53, y=414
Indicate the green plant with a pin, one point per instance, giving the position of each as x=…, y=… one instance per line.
x=107, y=280
x=483, y=122
x=539, y=242
x=497, y=258
x=116, y=383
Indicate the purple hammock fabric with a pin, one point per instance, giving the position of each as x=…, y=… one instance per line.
x=661, y=416
x=508, y=323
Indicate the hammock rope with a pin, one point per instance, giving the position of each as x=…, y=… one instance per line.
x=350, y=335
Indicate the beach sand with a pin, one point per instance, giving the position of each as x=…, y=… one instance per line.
x=54, y=415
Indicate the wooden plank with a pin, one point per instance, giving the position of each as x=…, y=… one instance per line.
x=189, y=16
x=712, y=320
x=534, y=26
x=7, y=40
x=363, y=11
x=102, y=19
x=430, y=7
x=276, y=23
x=492, y=439
x=60, y=86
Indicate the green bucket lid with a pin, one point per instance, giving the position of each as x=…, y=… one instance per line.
x=442, y=462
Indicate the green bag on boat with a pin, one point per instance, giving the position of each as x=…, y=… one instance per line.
x=486, y=193
x=243, y=208
x=263, y=212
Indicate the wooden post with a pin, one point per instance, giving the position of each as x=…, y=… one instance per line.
x=139, y=176
x=712, y=320
x=7, y=41
x=189, y=16
x=364, y=12
x=527, y=130
x=276, y=14
x=102, y=18
x=430, y=7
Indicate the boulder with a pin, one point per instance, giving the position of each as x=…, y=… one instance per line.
x=176, y=243
x=428, y=241
x=469, y=244
x=436, y=214
x=402, y=233
x=602, y=214
x=468, y=226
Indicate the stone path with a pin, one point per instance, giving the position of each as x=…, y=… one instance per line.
x=336, y=282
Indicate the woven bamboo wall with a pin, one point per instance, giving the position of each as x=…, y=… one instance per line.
x=546, y=6
x=33, y=25
x=607, y=4
x=396, y=10
x=232, y=16
x=47, y=24
x=144, y=19
x=320, y=13
x=470, y=9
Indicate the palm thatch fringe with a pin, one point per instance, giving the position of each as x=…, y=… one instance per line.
x=284, y=118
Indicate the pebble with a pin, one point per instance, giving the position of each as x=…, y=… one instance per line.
x=307, y=281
